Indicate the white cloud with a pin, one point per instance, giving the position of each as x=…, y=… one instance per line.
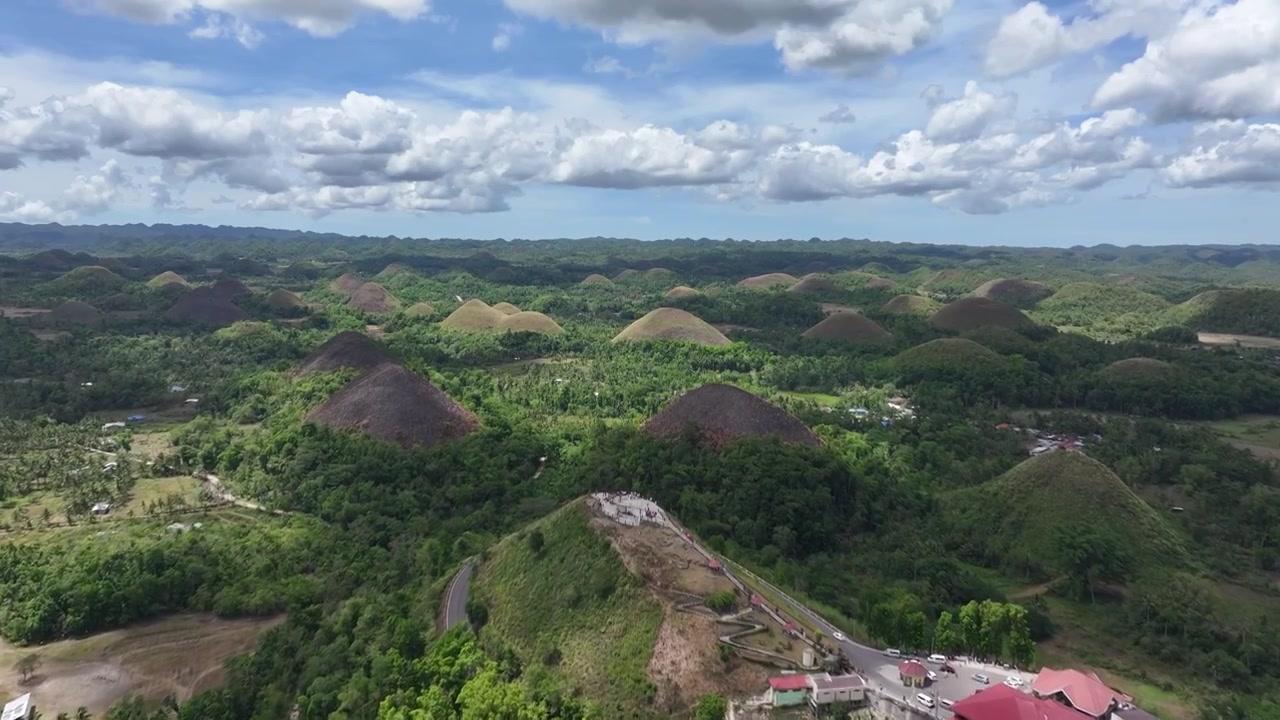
x=968, y=116
x=840, y=35
x=1228, y=153
x=608, y=65
x=1033, y=37
x=323, y=18
x=222, y=26
x=95, y=193
x=1220, y=61
x=506, y=33
x=17, y=208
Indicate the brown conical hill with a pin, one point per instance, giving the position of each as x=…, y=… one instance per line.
x=73, y=312
x=230, y=288
x=910, y=305
x=167, y=279
x=473, y=315
x=91, y=278
x=373, y=298
x=672, y=324
x=879, y=283
x=681, y=291
x=422, y=309
x=596, y=279
x=345, y=284
x=847, y=327
x=1015, y=291
x=626, y=274
x=814, y=283
x=974, y=312
x=527, y=321
x=206, y=307
x=720, y=414
x=768, y=281
x=945, y=352
x=1138, y=368
x=396, y=405
x=393, y=270
x=505, y=308
x=346, y=350
x=282, y=299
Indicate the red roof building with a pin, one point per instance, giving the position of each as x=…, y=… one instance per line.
x=786, y=683
x=713, y=564
x=912, y=673
x=1083, y=691
x=757, y=600
x=1002, y=702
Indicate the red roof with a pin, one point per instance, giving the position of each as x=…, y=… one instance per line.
x=756, y=599
x=1085, y=691
x=1002, y=702
x=714, y=564
x=913, y=668
x=784, y=683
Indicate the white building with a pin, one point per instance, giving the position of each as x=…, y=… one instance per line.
x=19, y=709
x=101, y=508
x=827, y=689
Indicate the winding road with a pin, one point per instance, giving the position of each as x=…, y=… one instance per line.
x=455, y=596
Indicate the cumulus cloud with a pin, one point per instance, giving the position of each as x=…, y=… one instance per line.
x=95, y=193
x=17, y=208
x=1228, y=153
x=968, y=116
x=1219, y=61
x=1034, y=37
x=322, y=18
x=840, y=35
x=224, y=26
x=840, y=114
x=370, y=153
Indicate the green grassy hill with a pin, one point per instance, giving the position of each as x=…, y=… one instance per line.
x=572, y=608
x=1099, y=307
x=1020, y=515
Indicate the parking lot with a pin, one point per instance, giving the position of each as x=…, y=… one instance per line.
x=882, y=672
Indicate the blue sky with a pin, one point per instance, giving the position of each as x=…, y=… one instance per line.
x=985, y=122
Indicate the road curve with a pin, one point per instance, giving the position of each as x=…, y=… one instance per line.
x=455, y=596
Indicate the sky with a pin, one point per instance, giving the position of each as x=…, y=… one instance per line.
x=948, y=121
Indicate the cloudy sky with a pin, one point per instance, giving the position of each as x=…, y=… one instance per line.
x=973, y=121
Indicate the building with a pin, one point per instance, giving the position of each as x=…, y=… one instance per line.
x=1085, y=692
x=788, y=690
x=828, y=689
x=1002, y=702
x=18, y=709
x=1132, y=713
x=913, y=673
x=101, y=508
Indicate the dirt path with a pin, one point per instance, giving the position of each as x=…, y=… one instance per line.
x=179, y=655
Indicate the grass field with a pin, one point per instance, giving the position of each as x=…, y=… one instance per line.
x=179, y=655
x=575, y=597
x=1244, y=341
x=146, y=490
x=1259, y=434
x=820, y=398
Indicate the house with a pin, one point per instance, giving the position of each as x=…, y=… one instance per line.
x=101, y=509
x=828, y=689
x=788, y=690
x=1085, y=692
x=714, y=565
x=913, y=673
x=1132, y=713
x=757, y=600
x=18, y=709
x=1002, y=702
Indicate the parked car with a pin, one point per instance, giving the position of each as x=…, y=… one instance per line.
x=946, y=703
x=938, y=659
x=947, y=669
x=924, y=700
x=893, y=653
x=933, y=676
x=1014, y=681
x=838, y=636
x=981, y=678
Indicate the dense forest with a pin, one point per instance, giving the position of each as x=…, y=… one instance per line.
x=917, y=529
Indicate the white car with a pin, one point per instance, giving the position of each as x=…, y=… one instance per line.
x=838, y=636
x=1014, y=682
x=933, y=676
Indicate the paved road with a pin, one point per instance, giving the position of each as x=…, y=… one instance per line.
x=455, y=596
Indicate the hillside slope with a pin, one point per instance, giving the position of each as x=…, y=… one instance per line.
x=573, y=599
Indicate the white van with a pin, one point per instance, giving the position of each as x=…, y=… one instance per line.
x=893, y=653
x=924, y=700
x=939, y=659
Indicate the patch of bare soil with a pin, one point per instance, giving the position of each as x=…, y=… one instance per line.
x=14, y=312
x=47, y=335
x=727, y=328
x=179, y=655
x=833, y=308
x=1244, y=341
x=686, y=660
x=375, y=331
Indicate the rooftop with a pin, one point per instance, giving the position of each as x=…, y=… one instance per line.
x=1085, y=691
x=913, y=668
x=784, y=683
x=839, y=682
x=17, y=708
x=1002, y=702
